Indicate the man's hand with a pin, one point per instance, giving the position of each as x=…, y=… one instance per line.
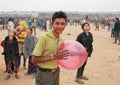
x=62, y=54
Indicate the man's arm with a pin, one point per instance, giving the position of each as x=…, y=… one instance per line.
x=58, y=56
x=40, y=59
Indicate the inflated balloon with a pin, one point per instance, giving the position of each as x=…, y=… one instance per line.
x=77, y=55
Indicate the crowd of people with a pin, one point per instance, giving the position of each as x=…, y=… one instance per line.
x=19, y=42
x=43, y=52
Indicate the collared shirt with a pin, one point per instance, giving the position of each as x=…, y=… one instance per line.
x=47, y=45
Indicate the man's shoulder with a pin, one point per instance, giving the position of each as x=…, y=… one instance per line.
x=90, y=33
x=43, y=36
x=81, y=34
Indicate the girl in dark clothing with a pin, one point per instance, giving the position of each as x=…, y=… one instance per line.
x=86, y=39
x=11, y=54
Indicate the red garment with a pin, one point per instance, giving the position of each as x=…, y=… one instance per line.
x=2, y=43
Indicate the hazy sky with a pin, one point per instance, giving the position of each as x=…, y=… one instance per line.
x=65, y=5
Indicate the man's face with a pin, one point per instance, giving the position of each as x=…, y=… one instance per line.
x=59, y=25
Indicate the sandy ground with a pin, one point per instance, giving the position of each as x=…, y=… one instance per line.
x=103, y=68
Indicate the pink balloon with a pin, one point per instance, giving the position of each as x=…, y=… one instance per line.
x=77, y=55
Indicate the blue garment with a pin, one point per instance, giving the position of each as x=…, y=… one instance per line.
x=27, y=22
x=29, y=45
x=112, y=25
x=40, y=23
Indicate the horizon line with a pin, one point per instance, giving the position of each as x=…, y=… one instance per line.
x=68, y=11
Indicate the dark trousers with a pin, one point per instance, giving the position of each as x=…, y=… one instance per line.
x=117, y=36
x=47, y=78
x=6, y=69
x=12, y=66
x=24, y=61
x=32, y=68
x=81, y=70
x=112, y=33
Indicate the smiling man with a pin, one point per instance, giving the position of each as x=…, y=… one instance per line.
x=46, y=52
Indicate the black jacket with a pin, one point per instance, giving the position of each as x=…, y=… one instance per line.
x=86, y=41
x=117, y=26
x=11, y=51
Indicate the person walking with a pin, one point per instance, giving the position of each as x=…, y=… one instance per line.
x=112, y=28
x=117, y=30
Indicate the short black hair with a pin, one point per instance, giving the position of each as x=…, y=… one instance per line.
x=117, y=18
x=10, y=19
x=85, y=24
x=59, y=14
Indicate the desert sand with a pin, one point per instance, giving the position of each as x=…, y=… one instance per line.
x=103, y=67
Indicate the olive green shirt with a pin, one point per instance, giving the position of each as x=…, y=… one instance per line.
x=47, y=45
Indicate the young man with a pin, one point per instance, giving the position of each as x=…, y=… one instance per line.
x=46, y=52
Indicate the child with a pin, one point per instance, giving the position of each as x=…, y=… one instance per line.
x=11, y=53
x=86, y=39
x=29, y=44
x=21, y=36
